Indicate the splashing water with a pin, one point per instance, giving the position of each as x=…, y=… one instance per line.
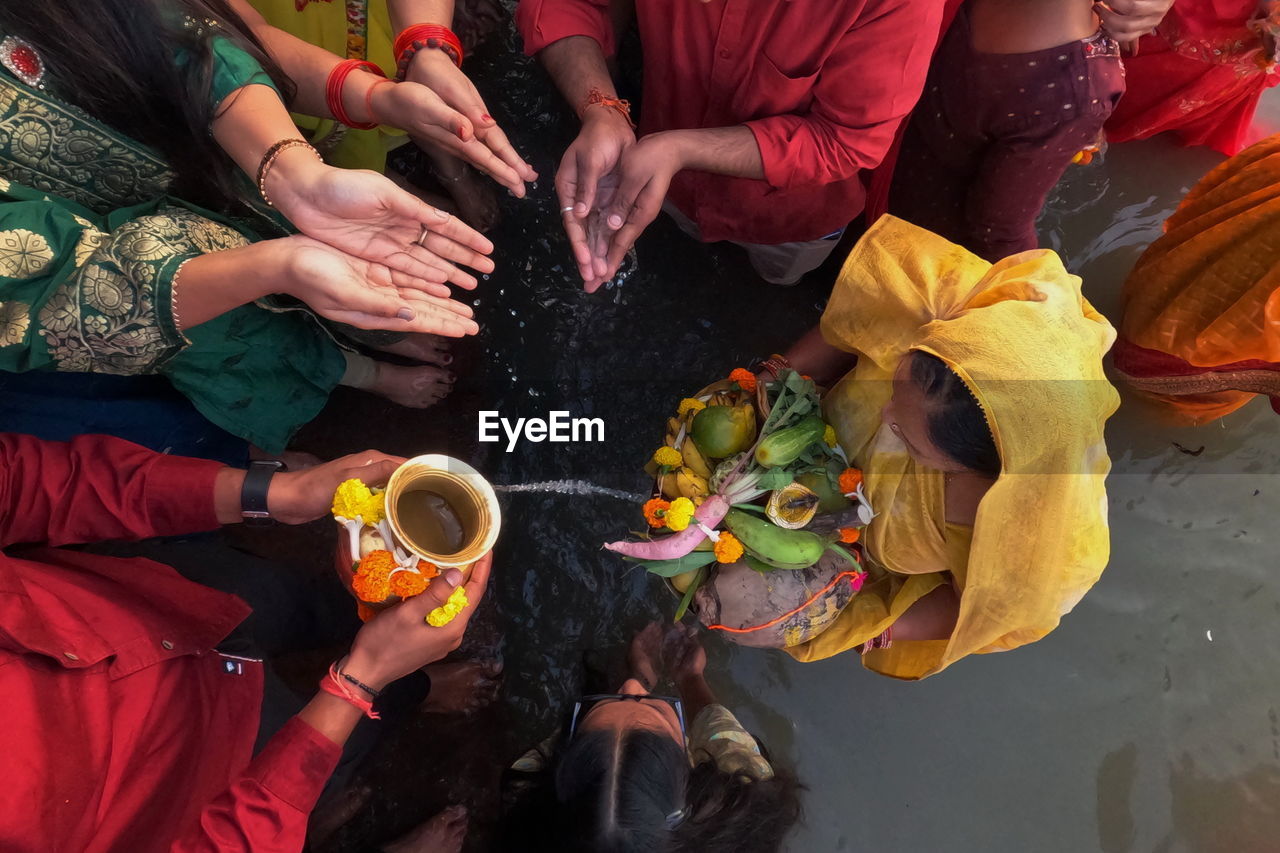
x=570, y=487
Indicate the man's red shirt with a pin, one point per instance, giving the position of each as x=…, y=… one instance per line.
x=123, y=730
x=822, y=84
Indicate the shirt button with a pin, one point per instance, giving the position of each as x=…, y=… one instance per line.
x=168, y=645
x=71, y=656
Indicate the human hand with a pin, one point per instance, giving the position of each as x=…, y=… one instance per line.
x=644, y=177
x=368, y=295
x=1128, y=20
x=582, y=182
x=296, y=497
x=685, y=653
x=467, y=129
x=365, y=215
x=398, y=641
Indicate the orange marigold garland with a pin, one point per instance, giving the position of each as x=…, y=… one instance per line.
x=428, y=570
x=745, y=378
x=407, y=584
x=373, y=585
x=850, y=479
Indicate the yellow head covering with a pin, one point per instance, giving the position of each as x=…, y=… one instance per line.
x=1029, y=347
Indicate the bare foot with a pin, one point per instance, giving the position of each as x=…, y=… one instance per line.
x=476, y=20
x=412, y=387
x=461, y=688
x=473, y=193
x=335, y=811
x=644, y=657
x=443, y=833
x=423, y=347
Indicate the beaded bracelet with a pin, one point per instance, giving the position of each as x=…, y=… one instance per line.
x=596, y=98
x=269, y=160
x=333, y=91
x=358, y=683
x=415, y=38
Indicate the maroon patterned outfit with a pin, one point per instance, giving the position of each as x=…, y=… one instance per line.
x=993, y=133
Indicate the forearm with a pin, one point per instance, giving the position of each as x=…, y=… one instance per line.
x=406, y=13
x=210, y=285
x=695, y=694
x=813, y=356
x=728, y=151
x=331, y=717
x=576, y=65
x=931, y=618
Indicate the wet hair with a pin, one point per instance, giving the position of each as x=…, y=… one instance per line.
x=115, y=59
x=956, y=422
x=728, y=813
x=618, y=790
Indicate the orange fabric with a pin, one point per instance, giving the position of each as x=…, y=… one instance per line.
x=1208, y=291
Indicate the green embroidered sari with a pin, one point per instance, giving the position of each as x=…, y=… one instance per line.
x=89, y=246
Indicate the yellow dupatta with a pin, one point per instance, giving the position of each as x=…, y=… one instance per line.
x=1029, y=347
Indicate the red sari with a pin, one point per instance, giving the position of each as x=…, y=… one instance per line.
x=1200, y=75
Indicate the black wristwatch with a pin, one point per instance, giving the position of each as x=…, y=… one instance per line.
x=253, y=494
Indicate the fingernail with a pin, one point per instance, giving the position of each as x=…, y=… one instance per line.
x=580, y=209
x=404, y=314
x=453, y=577
x=462, y=132
x=615, y=221
x=447, y=359
x=487, y=117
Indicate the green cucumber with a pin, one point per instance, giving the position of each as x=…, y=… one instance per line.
x=785, y=446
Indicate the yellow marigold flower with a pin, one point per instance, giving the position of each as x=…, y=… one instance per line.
x=442, y=616
x=372, y=586
x=679, y=514
x=350, y=498
x=745, y=378
x=655, y=511
x=407, y=584
x=829, y=436
x=689, y=404
x=668, y=457
x=728, y=549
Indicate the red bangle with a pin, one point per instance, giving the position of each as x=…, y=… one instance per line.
x=332, y=684
x=415, y=38
x=333, y=90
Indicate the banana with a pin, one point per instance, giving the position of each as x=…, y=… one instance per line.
x=668, y=486
x=694, y=459
x=777, y=546
x=691, y=485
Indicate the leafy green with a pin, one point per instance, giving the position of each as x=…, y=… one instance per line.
x=757, y=564
x=687, y=599
x=678, y=566
x=775, y=478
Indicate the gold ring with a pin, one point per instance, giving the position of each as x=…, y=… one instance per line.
x=422, y=235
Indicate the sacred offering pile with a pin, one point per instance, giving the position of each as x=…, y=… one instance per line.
x=748, y=473
x=435, y=513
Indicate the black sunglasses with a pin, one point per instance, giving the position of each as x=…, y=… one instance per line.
x=595, y=698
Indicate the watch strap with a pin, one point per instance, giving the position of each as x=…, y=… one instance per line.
x=257, y=483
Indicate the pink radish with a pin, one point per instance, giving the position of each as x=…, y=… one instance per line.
x=711, y=513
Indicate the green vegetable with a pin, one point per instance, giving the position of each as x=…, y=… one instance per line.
x=829, y=497
x=785, y=446
x=777, y=546
x=720, y=431
x=678, y=566
x=698, y=580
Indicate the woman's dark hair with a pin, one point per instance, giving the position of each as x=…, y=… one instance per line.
x=727, y=813
x=956, y=421
x=617, y=790
x=115, y=59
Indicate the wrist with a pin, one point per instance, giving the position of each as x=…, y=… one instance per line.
x=427, y=64
x=226, y=494
x=358, y=96
x=364, y=669
x=294, y=170
x=676, y=145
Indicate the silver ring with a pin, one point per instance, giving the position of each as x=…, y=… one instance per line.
x=568, y=209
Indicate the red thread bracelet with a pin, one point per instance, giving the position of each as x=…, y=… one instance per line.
x=332, y=684
x=415, y=38
x=333, y=90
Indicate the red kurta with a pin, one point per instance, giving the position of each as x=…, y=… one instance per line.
x=123, y=730
x=823, y=85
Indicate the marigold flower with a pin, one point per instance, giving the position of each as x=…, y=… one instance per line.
x=655, y=511
x=745, y=378
x=372, y=586
x=428, y=570
x=407, y=583
x=679, y=514
x=728, y=549
x=689, y=404
x=667, y=457
x=850, y=479
x=829, y=436
x=445, y=614
x=353, y=499
x=849, y=535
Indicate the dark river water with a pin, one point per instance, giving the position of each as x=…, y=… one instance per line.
x=1147, y=722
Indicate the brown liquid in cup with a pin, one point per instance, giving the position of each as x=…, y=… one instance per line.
x=431, y=522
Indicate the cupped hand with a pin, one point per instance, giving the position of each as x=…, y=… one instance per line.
x=367, y=295
x=1128, y=20
x=644, y=177
x=296, y=497
x=398, y=641
x=583, y=182
x=366, y=215
x=684, y=652
x=463, y=126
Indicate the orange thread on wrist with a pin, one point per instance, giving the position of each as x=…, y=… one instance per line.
x=596, y=98
x=334, y=686
x=368, y=100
